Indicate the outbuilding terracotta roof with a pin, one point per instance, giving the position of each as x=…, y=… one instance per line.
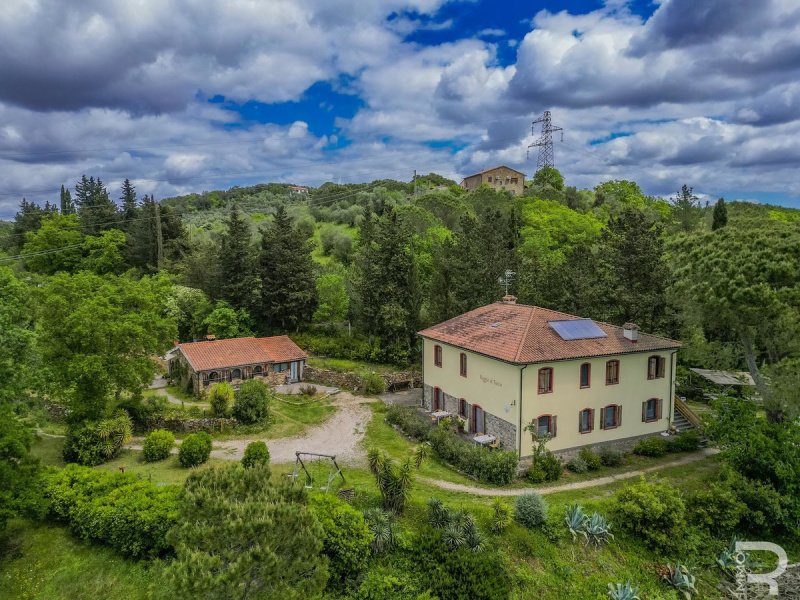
x=493, y=169
x=521, y=334
x=220, y=354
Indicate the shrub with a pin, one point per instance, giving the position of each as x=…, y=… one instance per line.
x=577, y=465
x=95, y=442
x=195, y=449
x=256, y=453
x=372, y=383
x=128, y=514
x=346, y=539
x=535, y=474
x=652, y=446
x=141, y=410
x=381, y=526
x=251, y=402
x=308, y=390
x=501, y=516
x=688, y=441
x=462, y=573
x=394, y=480
x=715, y=508
x=591, y=459
x=551, y=465
x=412, y=422
x=157, y=445
x=491, y=466
x=390, y=584
x=530, y=510
x=652, y=512
x=220, y=397
x=610, y=457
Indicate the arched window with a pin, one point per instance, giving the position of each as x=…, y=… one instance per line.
x=213, y=376
x=612, y=372
x=586, y=375
x=611, y=416
x=258, y=370
x=463, y=366
x=236, y=374
x=656, y=367
x=651, y=410
x=545, y=380
x=546, y=424
x=586, y=420
x=437, y=355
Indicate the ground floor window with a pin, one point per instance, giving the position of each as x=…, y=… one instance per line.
x=478, y=424
x=257, y=370
x=236, y=374
x=586, y=420
x=546, y=425
x=651, y=410
x=462, y=408
x=612, y=416
x=437, y=399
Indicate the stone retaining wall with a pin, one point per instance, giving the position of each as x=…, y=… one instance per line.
x=352, y=381
x=178, y=425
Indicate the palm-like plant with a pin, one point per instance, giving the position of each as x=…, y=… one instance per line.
x=381, y=524
x=473, y=538
x=682, y=580
x=394, y=481
x=501, y=516
x=622, y=591
x=438, y=514
x=597, y=530
x=453, y=536
x=421, y=453
x=575, y=520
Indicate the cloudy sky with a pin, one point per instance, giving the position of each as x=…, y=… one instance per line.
x=187, y=95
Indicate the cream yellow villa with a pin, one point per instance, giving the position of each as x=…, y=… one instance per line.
x=506, y=365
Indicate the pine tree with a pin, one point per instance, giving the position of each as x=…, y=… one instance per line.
x=686, y=208
x=96, y=211
x=28, y=219
x=286, y=269
x=67, y=207
x=128, y=200
x=720, y=215
x=237, y=263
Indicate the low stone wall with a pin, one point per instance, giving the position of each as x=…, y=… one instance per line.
x=55, y=412
x=345, y=381
x=402, y=379
x=177, y=425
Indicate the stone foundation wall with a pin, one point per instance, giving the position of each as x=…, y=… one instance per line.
x=177, y=425
x=352, y=381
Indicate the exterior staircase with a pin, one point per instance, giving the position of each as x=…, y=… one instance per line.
x=684, y=418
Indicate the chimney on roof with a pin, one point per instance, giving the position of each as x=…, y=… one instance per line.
x=210, y=337
x=631, y=332
x=509, y=299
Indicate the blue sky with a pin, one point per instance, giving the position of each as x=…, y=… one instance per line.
x=186, y=96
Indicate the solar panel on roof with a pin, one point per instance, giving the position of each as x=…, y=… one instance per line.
x=577, y=329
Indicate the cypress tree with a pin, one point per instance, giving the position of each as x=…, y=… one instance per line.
x=67, y=207
x=236, y=260
x=286, y=269
x=128, y=200
x=96, y=211
x=720, y=215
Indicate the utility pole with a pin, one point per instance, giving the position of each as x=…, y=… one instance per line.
x=545, y=141
x=415, y=183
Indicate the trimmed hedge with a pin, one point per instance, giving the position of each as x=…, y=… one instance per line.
x=413, y=423
x=195, y=449
x=256, y=453
x=490, y=466
x=157, y=445
x=652, y=446
x=119, y=510
x=688, y=441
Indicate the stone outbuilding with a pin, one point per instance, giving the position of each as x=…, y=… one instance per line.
x=275, y=360
x=500, y=178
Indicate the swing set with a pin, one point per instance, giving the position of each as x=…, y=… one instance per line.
x=313, y=457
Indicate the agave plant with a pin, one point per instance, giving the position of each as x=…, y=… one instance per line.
x=622, y=591
x=575, y=520
x=682, y=580
x=381, y=525
x=597, y=530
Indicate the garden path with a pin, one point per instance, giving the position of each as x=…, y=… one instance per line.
x=578, y=485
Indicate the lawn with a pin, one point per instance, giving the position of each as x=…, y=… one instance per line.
x=45, y=562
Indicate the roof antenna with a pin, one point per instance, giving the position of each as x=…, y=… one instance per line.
x=505, y=281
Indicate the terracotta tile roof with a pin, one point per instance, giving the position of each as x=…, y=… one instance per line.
x=220, y=354
x=493, y=169
x=519, y=333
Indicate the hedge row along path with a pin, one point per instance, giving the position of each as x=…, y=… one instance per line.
x=578, y=485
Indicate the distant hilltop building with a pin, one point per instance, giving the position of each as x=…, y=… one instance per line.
x=298, y=189
x=502, y=178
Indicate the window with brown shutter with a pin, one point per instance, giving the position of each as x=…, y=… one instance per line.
x=546, y=424
x=651, y=410
x=611, y=416
x=437, y=356
x=586, y=375
x=545, y=380
x=462, y=408
x=586, y=420
x=612, y=372
x=463, y=365
x=656, y=367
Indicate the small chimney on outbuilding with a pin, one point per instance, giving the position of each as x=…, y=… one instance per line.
x=210, y=337
x=509, y=299
x=631, y=332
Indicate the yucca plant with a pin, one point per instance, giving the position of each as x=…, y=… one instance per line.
x=438, y=514
x=682, y=580
x=453, y=536
x=575, y=520
x=622, y=591
x=597, y=530
x=501, y=516
x=473, y=538
x=394, y=481
x=421, y=453
x=381, y=525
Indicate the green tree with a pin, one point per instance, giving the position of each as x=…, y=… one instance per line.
x=238, y=286
x=720, y=215
x=686, y=209
x=251, y=401
x=633, y=271
x=240, y=536
x=28, y=218
x=549, y=176
x=96, y=211
x=18, y=356
x=334, y=303
x=189, y=307
x=98, y=336
x=223, y=322
x=129, y=203
x=220, y=398
x=66, y=205
x=19, y=472
x=744, y=282
x=286, y=269
x=57, y=232
x=104, y=253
